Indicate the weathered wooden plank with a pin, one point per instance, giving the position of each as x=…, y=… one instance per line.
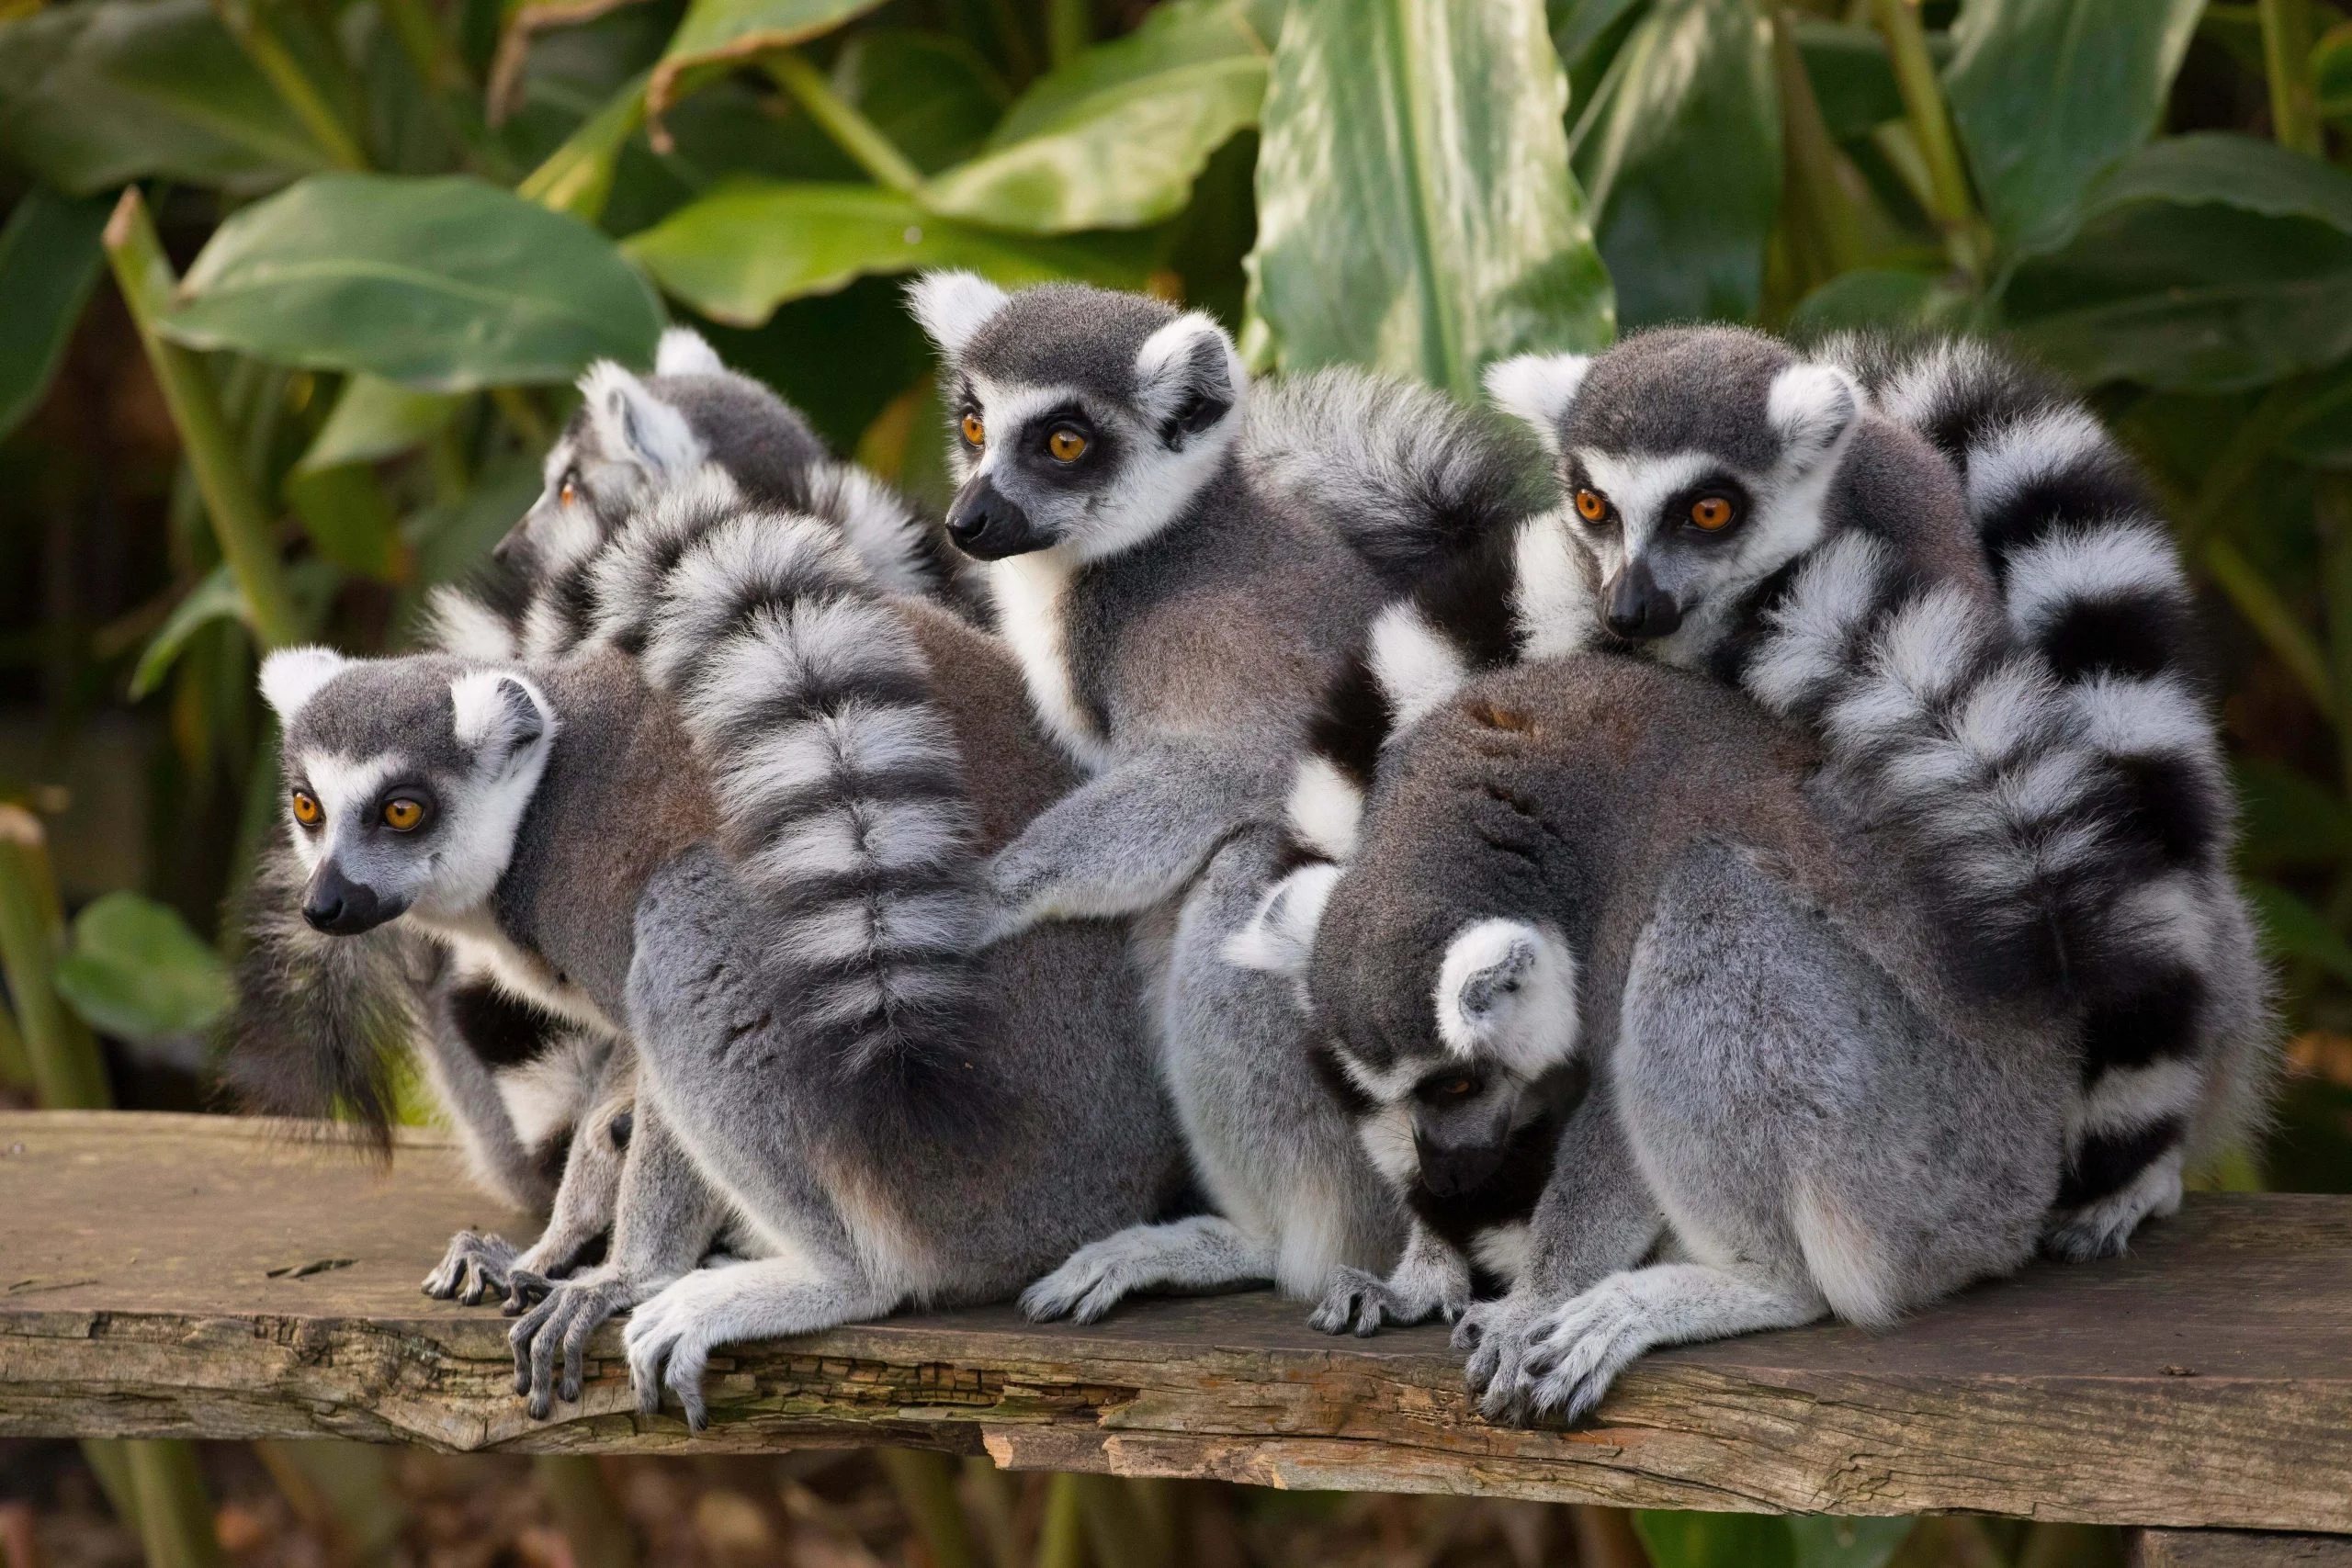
x=2205, y=1379
x=2237, y=1548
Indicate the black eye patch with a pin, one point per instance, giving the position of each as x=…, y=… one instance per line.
x=1690, y=508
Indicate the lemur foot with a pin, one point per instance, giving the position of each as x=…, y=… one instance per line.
x=1495, y=1333
x=1092, y=1281
x=1575, y=1352
x=1363, y=1302
x=2104, y=1229
x=477, y=1264
x=568, y=1312
x=670, y=1342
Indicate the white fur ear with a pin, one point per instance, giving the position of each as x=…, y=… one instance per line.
x=1188, y=376
x=499, y=715
x=631, y=422
x=1280, y=938
x=1324, y=808
x=1811, y=404
x=292, y=676
x=952, y=306
x=1506, y=990
x=683, y=352
x=1539, y=388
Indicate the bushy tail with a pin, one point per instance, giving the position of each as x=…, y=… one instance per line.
x=1410, y=476
x=839, y=782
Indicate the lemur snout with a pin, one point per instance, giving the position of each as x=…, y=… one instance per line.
x=986, y=524
x=341, y=907
x=1638, y=607
x=1451, y=1169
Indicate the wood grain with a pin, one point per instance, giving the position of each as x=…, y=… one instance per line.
x=156, y=1286
x=2237, y=1548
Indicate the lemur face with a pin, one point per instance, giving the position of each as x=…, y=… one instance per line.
x=405, y=779
x=1083, y=420
x=1450, y=1033
x=1694, y=462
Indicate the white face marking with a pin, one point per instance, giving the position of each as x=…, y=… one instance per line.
x=346, y=788
x=1507, y=993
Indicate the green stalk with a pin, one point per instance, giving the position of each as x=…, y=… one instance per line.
x=991, y=1498
x=925, y=1483
x=174, y=1516
x=837, y=118
x=67, y=1071
x=2287, y=35
x=1061, y=1538
x=290, y=83
x=584, y=1510
x=577, y=177
x=243, y=529
x=2273, y=620
x=437, y=62
x=1951, y=205
x=15, y=1067
x=109, y=1461
x=1121, y=1528
x=1069, y=30
x=1012, y=38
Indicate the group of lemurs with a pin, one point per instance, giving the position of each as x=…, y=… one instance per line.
x=1755, y=850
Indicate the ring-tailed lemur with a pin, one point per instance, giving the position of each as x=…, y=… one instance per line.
x=1600, y=861
x=1180, y=563
x=537, y=1102
x=1735, y=508
x=790, y=932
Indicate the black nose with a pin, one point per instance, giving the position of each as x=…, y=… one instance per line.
x=1638, y=607
x=1451, y=1169
x=987, y=525
x=341, y=907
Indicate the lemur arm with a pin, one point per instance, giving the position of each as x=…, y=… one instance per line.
x=461, y=1080
x=1134, y=834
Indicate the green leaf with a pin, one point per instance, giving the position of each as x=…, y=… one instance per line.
x=446, y=285
x=577, y=177
x=349, y=519
x=103, y=91
x=214, y=598
x=2292, y=930
x=1892, y=299
x=1404, y=224
x=2048, y=94
x=135, y=970
x=1114, y=139
x=1681, y=154
x=2288, y=819
x=1853, y=76
x=744, y=249
x=1715, y=1540
x=931, y=95
x=2332, y=72
x=49, y=260
x=722, y=30
x=375, y=419
x=1578, y=25
x=1830, y=1541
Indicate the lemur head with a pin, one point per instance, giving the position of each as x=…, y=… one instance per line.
x=1083, y=418
x=1449, y=1028
x=405, y=779
x=1695, y=461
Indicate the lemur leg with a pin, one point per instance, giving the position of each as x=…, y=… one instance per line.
x=1577, y=1350
x=586, y=1202
x=1430, y=1280
x=666, y=1218
x=1129, y=838
x=1196, y=1256
x=671, y=1338
x=461, y=1080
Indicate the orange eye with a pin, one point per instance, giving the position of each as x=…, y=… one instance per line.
x=1711, y=512
x=1065, y=444
x=975, y=433
x=569, y=493
x=307, y=809
x=402, y=815
x=1454, y=1088
x=1592, y=505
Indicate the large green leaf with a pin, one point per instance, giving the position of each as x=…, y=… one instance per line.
x=1852, y=76
x=105, y=91
x=135, y=970
x=742, y=251
x=2208, y=263
x=444, y=285
x=1680, y=154
x=715, y=31
x=49, y=260
x=2048, y=94
x=374, y=419
x=1415, y=207
x=931, y=95
x=1114, y=139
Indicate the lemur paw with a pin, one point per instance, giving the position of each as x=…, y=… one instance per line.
x=570, y=1311
x=1495, y=1335
x=1575, y=1352
x=669, y=1346
x=1094, y=1280
x=1363, y=1302
x=476, y=1264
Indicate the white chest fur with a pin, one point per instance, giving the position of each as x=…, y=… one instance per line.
x=1032, y=593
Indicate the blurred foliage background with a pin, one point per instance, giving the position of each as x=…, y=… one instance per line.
x=291, y=293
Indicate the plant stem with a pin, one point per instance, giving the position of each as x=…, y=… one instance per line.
x=174, y=1518
x=583, y=1509
x=290, y=83
x=992, y=1498
x=925, y=1483
x=2287, y=64
x=1012, y=38
x=837, y=118
x=1061, y=1538
x=247, y=541
x=1951, y=205
x=68, y=1073
x=15, y=1067
x=1069, y=30
x=343, y=1491
x=577, y=177
x=1120, y=1528
x=2273, y=620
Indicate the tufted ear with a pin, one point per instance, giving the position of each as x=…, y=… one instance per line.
x=498, y=716
x=1506, y=991
x=631, y=422
x=1539, y=388
x=292, y=676
x=952, y=306
x=1280, y=938
x=683, y=352
x=1810, y=405
x=1188, y=378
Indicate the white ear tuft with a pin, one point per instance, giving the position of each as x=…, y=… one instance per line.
x=631, y=422
x=499, y=715
x=1539, y=388
x=683, y=352
x=952, y=306
x=1280, y=938
x=1811, y=404
x=1506, y=991
x=292, y=676
x=1324, y=808
x=1188, y=376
